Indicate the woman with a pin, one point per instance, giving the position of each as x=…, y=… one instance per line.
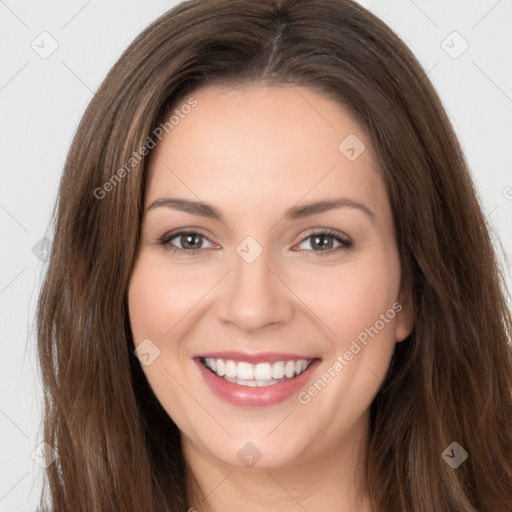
x=247, y=370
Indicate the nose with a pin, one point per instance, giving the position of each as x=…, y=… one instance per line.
x=255, y=296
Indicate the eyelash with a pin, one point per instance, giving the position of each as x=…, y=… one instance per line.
x=345, y=242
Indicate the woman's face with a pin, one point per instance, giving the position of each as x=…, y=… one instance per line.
x=291, y=266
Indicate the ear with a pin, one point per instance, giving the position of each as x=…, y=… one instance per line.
x=404, y=322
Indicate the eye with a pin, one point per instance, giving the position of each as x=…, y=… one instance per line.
x=325, y=240
x=191, y=241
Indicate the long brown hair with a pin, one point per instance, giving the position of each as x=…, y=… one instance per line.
x=450, y=381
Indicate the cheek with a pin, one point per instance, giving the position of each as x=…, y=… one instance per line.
x=164, y=303
x=351, y=297
x=356, y=305
x=146, y=301
x=159, y=298
x=158, y=302
x=360, y=312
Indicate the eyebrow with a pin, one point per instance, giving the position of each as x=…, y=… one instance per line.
x=294, y=213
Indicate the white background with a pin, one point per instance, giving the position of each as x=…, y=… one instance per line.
x=41, y=103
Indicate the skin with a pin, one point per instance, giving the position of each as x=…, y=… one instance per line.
x=253, y=152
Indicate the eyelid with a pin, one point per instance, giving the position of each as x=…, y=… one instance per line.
x=167, y=237
x=327, y=231
x=344, y=240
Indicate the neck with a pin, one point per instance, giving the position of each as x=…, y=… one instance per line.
x=329, y=481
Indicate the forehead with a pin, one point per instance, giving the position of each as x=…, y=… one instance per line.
x=264, y=145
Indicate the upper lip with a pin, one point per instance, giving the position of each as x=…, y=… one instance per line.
x=261, y=357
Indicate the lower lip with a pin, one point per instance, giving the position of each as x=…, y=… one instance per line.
x=246, y=396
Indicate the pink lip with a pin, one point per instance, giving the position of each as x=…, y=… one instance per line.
x=245, y=396
x=262, y=357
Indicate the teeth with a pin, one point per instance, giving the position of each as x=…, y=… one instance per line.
x=263, y=371
x=261, y=374
x=231, y=369
x=244, y=371
x=221, y=367
x=278, y=370
x=289, y=369
x=252, y=383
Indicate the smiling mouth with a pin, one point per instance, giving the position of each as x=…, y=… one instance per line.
x=256, y=375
